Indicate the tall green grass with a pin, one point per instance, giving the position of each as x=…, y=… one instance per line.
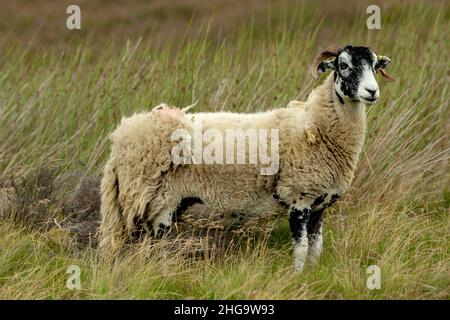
x=57, y=108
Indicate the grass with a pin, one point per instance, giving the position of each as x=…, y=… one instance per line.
x=58, y=105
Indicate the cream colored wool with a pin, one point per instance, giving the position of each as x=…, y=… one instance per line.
x=320, y=141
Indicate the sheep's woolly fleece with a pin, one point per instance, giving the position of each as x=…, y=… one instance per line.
x=141, y=183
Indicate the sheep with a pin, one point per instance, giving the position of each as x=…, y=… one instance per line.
x=319, y=144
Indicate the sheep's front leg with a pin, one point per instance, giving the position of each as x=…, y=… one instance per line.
x=298, y=220
x=314, y=229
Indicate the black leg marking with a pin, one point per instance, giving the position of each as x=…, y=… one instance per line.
x=314, y=222
x=334, y=198
x=162, y=230
x=298, y=220
x=314, y=228
x=280, y=201
x=319, y=200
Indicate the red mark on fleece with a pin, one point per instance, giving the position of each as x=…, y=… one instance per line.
x=172, y=112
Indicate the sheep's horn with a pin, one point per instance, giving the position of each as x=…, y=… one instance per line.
x=187, y=108
x=327, y=53
x=385, y=75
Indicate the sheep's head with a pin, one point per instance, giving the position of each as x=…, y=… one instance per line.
x=354, y=72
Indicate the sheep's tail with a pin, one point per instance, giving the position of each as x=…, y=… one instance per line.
x=111, y=227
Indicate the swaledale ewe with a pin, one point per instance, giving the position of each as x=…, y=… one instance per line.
x=319, y=142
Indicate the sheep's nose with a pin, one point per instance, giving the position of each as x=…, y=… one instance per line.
x=371, y=91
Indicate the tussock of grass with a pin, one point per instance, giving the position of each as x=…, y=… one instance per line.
x=57, y=109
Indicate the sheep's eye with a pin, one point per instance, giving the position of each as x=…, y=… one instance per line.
x=343, y=65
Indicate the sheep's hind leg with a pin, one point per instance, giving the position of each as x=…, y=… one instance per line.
x=314, y=229
x=298, y=220
x=162, y=224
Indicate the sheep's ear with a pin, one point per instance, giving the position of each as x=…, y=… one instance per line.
x=320, y=65
x=324, y=66
x=382, y=63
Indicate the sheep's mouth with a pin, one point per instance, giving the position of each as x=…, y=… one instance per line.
x=369, y=100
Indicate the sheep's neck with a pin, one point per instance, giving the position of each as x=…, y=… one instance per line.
x=348, y=120
x=351, y=118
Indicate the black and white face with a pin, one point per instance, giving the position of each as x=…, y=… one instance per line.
x=355, y=69
x=355, y=74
